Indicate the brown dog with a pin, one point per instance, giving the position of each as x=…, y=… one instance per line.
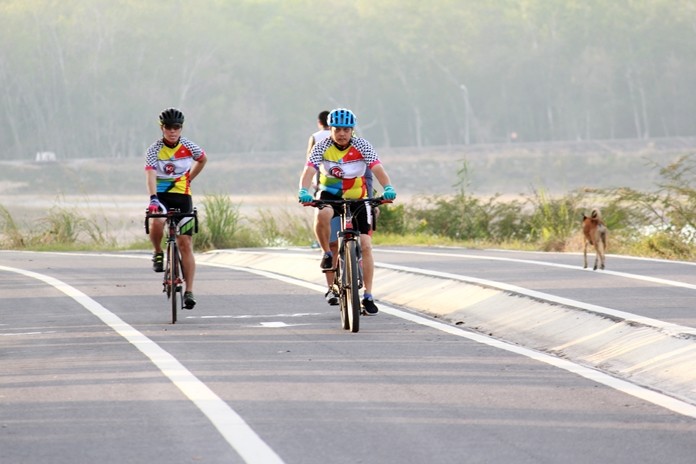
x=595, y=232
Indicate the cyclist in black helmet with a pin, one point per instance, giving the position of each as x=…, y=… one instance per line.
x=171, y=164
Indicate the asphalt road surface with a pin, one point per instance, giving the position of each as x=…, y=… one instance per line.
x=261, y=372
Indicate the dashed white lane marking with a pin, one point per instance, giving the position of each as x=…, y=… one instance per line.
x=253, y=316
x=278, y=324
x=27, y=333
x=230, y=425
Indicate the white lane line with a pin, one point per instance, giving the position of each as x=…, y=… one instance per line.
x=27, y=333
x=254, y=316
x=651, y=396
x=624, y=386
x=666, y=327
x=276, y=325
x=230, y=425
x=645, y=394
x=654, y=280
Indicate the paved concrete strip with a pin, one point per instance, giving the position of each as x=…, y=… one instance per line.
x=645, y=351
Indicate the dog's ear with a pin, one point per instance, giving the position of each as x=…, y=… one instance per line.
x=583, y=216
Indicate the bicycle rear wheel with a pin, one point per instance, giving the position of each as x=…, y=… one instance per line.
x=167, y=281
x=352, y=287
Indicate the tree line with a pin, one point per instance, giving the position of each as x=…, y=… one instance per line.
x=87, y=78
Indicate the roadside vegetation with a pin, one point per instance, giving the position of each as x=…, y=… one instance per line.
x=660, y=223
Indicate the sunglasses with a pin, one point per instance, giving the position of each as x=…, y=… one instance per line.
x=172, y=126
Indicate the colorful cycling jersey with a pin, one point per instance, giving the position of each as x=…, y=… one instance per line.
x=342, y=172
x=173, y=164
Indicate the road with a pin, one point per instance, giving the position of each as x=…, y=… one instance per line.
x=260, y=371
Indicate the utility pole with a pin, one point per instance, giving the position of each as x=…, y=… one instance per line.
x=465, y=92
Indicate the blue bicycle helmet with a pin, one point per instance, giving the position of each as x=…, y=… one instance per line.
x=341, y=117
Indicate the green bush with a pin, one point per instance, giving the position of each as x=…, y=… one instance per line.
x=392, y=219
x=282, y=229
x=11, y=235
x=553, y=220
x=220, y=225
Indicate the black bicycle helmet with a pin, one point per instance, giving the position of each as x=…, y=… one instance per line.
x=171, y=116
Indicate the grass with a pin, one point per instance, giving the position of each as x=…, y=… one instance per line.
x=660, y=223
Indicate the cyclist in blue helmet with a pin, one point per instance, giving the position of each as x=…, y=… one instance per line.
x=342, y=161
x=323, y=133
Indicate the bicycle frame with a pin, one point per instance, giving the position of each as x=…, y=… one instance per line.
x=174, y=277
x=348, y=274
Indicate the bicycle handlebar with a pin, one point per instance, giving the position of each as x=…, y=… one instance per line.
x=371, y=201
x=171, y=214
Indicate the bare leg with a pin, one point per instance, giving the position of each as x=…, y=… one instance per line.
x=333, y=246
x=368, y=261
x=322, y=227
x=188, y=262
x=156, y=233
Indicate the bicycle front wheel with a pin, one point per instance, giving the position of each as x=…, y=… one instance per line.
x=352, y=287
x=175, y=275
x=340, y=291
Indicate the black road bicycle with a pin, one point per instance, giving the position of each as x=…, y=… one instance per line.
x=173, y=281
x=348, y=274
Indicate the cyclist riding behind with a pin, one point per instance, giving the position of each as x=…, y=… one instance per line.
x=171, y=164
x=321, y=134
x=342, y=161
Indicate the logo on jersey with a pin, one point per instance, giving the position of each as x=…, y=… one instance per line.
x=169, y=168
x=337, y=172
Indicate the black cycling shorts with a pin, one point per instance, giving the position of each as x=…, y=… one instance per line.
x=362, y=214
x=183, y=203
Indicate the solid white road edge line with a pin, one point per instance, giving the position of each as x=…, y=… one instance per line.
x=623, y=386
x=637, y=391
x=230, y=424
x=655, y=280
x=667, y=327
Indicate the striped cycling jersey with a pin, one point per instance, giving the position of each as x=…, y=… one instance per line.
x=342, y=172
x=173, y=165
